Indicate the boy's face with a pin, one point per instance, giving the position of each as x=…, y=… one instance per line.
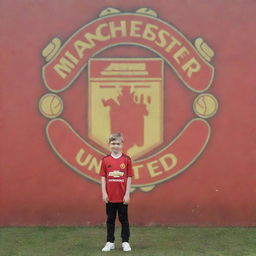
x=116, y=146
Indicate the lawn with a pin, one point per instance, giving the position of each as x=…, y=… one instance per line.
x=150, y=241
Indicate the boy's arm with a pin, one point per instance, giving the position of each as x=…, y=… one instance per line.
x=129, y=181
x=103, y=189
x=128, y=190
x=103, y=181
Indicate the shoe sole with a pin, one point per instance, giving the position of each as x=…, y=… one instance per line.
x=127, y=250
x=109, y=250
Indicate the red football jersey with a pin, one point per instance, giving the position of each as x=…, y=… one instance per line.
x=116, y=171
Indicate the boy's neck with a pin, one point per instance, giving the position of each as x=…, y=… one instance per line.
x=116, y=155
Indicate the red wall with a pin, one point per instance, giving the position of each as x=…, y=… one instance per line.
x=37, y=188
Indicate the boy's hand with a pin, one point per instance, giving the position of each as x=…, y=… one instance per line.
x=126, y=199
x=105, y=197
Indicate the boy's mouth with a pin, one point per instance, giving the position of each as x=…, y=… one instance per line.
x=116, y=147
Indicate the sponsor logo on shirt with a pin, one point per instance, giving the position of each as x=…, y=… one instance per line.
x=116, y=174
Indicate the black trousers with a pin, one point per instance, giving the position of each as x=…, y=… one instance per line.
x=111, y=210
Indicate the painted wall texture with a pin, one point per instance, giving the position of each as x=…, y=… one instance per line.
x=177, y=78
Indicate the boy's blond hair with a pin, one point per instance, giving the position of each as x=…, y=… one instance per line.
x=116, y=136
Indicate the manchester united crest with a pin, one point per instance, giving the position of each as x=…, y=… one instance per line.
x=144, y=78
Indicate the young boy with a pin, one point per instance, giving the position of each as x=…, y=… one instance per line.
x=116, y=173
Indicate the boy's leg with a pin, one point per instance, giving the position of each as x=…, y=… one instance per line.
x=111, y=217
x=123, y=218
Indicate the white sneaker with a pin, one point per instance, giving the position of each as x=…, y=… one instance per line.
x=126, y=247
x=108, y=246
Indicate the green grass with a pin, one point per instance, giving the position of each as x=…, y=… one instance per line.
x=150, y=241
